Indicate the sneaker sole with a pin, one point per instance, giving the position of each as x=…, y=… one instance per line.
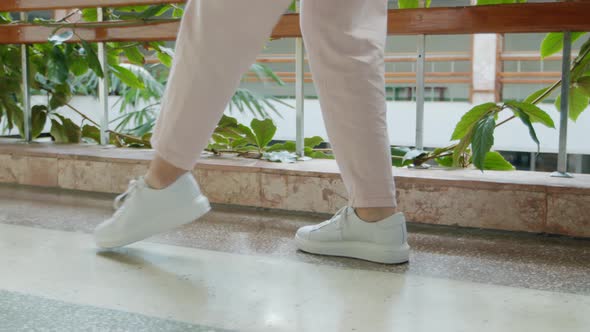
x=199, y=207
x=359, y=250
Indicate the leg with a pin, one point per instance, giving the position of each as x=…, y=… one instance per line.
x=217, y=42
x=345, y=42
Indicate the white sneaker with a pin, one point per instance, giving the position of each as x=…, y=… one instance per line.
x=345, y=234
x=143, y=211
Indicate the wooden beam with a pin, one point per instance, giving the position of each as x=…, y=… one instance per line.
x=533, y=17
x=518, y=18
x=28, y=5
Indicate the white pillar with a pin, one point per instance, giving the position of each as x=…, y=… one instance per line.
x=484, y=62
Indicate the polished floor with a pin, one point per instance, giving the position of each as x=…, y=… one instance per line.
x=237, y=270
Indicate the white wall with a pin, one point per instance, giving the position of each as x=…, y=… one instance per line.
x=440, y=120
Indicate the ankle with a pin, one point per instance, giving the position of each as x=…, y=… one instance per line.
x=374, y=214
x=162, y=174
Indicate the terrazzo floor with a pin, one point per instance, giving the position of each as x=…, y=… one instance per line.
x=237, y=269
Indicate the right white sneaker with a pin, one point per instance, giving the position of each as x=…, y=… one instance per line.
x=345, y=234
x=143, y=211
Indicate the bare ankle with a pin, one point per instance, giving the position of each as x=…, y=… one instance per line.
x=374, y=214
x=161, y=173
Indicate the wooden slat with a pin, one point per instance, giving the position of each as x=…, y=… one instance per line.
x=534, y=17
x=32, y=34
x=28, y=5
x=518, y=18
x=527, y=81
x=531, y=74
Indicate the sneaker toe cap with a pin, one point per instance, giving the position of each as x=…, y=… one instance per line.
x=304, y=232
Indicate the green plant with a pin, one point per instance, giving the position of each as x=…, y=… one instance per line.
x=475, y=130
x=230, y=136
x=60, y=70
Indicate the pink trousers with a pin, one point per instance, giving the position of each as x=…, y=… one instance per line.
x=345, y=42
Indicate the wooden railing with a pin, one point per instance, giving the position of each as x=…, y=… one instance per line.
x=534, y=17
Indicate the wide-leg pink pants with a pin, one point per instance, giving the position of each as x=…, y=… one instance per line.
x=345, y=41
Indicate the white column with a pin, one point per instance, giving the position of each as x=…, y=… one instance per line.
x=485, y=48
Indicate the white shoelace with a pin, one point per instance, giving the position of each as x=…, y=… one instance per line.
x=131, y=188
x=334, y=217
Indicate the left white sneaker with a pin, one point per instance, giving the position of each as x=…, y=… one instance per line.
x=143, y=211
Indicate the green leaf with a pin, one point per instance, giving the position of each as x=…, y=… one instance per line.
x=583, y=83
x=535, y=113
x=264, y=130
x=134, y=55
x=287, y=146
x=524, y=117
x=530, y=99
x=470, y=118
x=127, y=77
x=495, y=161
x=578, y=102
x=483, y=139
x=57, y=67
x=553, y=42
x=155, y=10
x=319, y=155
x=38, y=119
x=312, y=142
x=78, y=66
x=92, y=59
x=90, y=14
x=404, y=4
x=446, y=161
x=247, y=133
x=91, y=132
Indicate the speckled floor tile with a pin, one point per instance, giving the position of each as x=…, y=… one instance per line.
x=263, y=293
x=499, y=258
x=27, y=313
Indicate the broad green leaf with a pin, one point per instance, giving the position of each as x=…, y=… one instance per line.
x=287, y=146
x=58, y=132
x=530, y=99
x=583, y=84
x=483, y=140
x=227, y=121
x=92, y=59
x=247, y=133
x=155, y=10
x=78, y=66
x=578, y=102
x=90, y=14
x=57, y=66
x=470, y=118
x=553, y=42
x=524, y=117
x=446, y=161
x=312, y=142
x=406, y=4
x=496, y=162
x=134, y=55
x=535, y=113
x=319, y=155
x=264, y=130
x=38, y=119
x=91, y=132
x=127, y=77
